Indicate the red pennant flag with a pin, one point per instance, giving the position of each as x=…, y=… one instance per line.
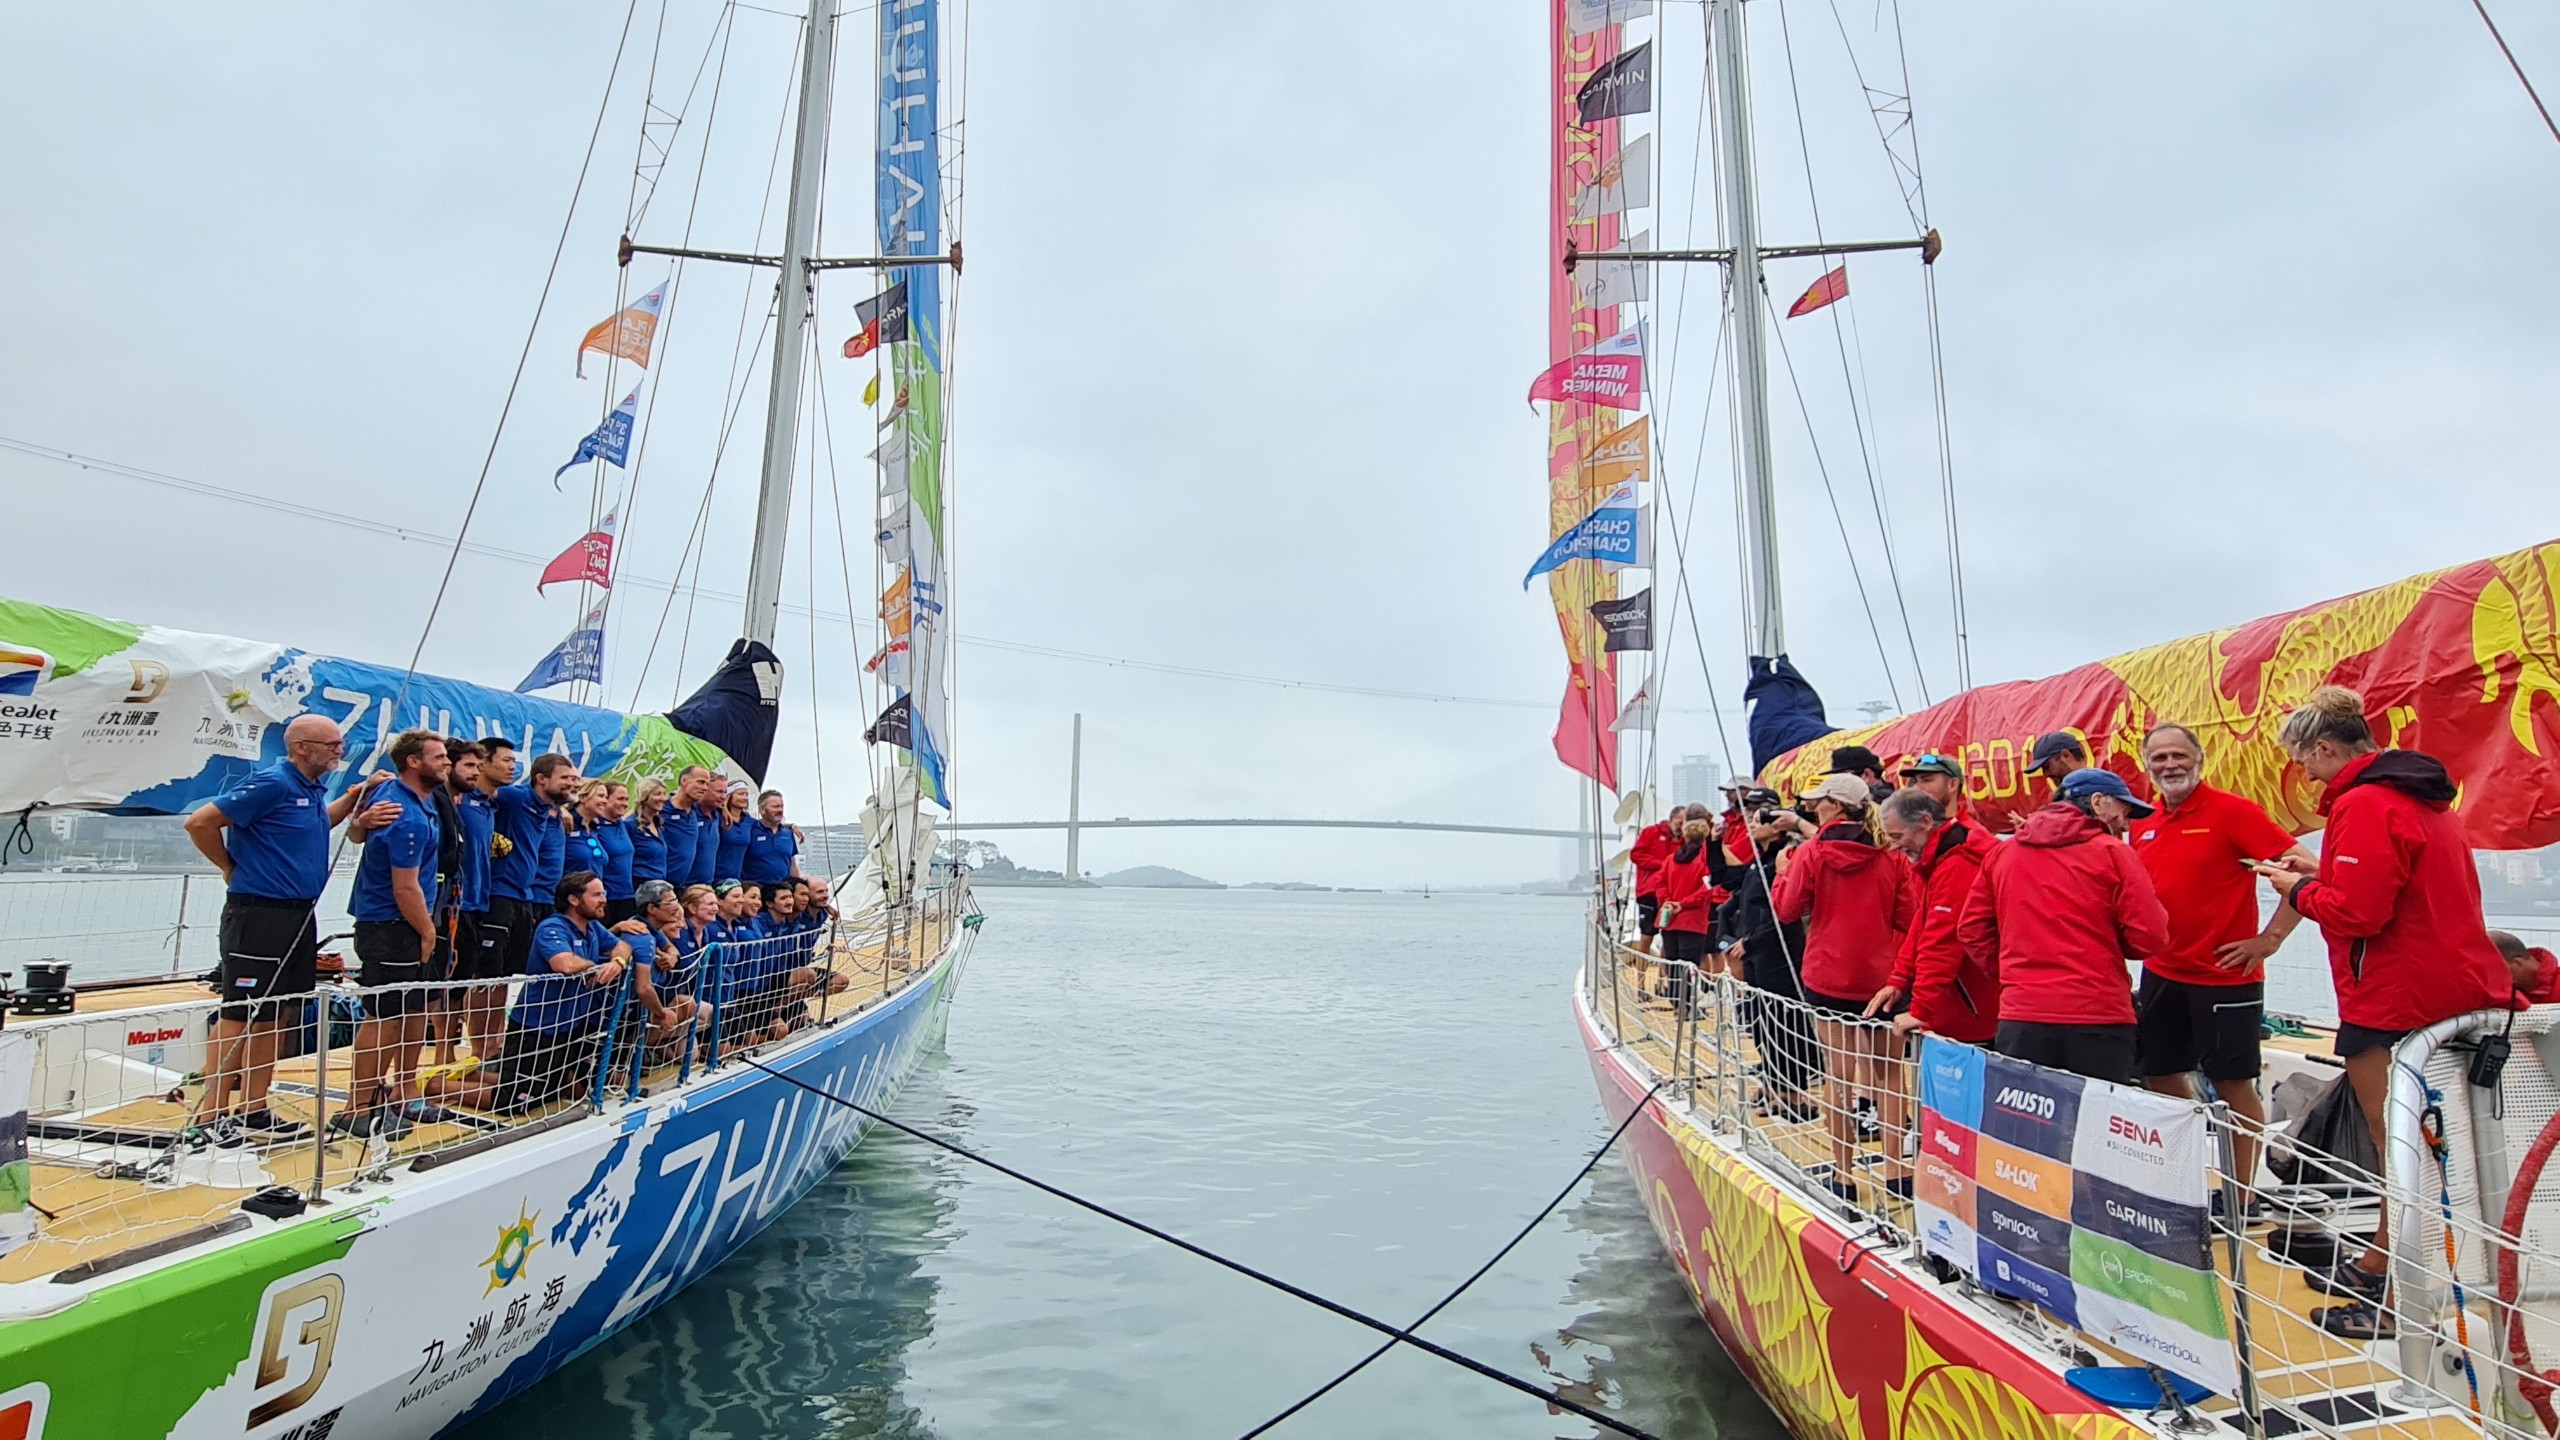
x=1831, y=287
x=590, y=559
x=864, y=341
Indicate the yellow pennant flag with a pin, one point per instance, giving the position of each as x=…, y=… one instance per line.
x=627, y=334
x=871, y=392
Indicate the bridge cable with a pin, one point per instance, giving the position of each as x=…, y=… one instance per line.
x=1513, y=1243
x=1505, y=1377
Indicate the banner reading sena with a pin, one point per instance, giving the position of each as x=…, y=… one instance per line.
x=2462, y=663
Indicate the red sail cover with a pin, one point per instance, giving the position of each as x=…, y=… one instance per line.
x=1583, y=740
x=2461, y=663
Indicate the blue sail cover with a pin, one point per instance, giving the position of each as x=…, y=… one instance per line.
x=1785, y=712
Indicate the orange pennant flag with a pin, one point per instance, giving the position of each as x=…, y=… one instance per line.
x=1622, y=455
x=896, y=606
x=1831, y=287
x=628, y=334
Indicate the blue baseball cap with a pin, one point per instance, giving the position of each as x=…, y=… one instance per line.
x=2081, y=784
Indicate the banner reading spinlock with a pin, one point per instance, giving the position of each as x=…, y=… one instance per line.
x=2087, y=1198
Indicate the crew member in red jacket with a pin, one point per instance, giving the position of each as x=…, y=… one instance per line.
x=2057, y=912
x=1654, y=844
x=2534, y=970
x=1689, y=900
x=1860, y=899
x=1949, y=993
x=2203, y=999
x=2397, y=897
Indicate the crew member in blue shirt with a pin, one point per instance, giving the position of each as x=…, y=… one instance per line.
x=269, y=836
x=733, y=834
x=475, y=944
x=612, y=827
x=656, y=937
x=393, y=905
x=528, y=824
x=710, y=821
x=773, y=847
x=648, y=841
x=556, y=1030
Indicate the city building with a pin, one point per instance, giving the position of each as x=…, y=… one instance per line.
x=1694, y=780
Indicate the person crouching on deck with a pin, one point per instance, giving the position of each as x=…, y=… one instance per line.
x=1857, y=900
x=2397, y=896
x=2057, y=912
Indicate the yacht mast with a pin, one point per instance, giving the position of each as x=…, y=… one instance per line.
x=1764, y=626
x=792, y=296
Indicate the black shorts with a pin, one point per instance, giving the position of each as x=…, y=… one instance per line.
x=475, y=947
x=2180, y=1026
x=513, y=922
x=2101, y=1052
x=270, y=949
x=538, y=1067
x=2357, y=1039
x=387, y=954
x=1841, y=1005
x=1688, y=945
x=1648, y=914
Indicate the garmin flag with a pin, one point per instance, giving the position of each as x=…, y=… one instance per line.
x=884, y=321
x=1627, y=623
x=1612, y=534
x=609, y=442
x=580, y=657
x=1624, y=86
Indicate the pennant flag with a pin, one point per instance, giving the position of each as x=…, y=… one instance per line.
x=1581, y=17
x=1638, y=714
x=871, y=391
x=890, y=664
x=627, y=335
x=1624, y=184
x=1628, y=623
x=897, y=606
x=1610, y=533
x=1600, y=283
x=609, y=442
x=891, y=535
x=884, y=321
x=590, y=559
x=892, y=454
x=580, y=657
x=1610, y=373
x=1623, y=454
x=895, y=726
x=897, y=407
x=1830, y=288
x=1624, y=86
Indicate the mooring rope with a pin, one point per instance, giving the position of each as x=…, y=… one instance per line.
x=1395, y=1335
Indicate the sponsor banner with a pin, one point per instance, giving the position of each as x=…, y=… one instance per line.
x=2454, y=662
x=149, y=720
x=2087, y=1198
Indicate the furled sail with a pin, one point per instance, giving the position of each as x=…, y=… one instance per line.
x=2463, y=663
x=140, y=719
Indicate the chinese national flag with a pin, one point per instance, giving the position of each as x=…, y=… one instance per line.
x=1831, y=287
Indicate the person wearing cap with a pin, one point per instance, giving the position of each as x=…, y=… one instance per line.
x=1857, y=900
x=1938, y=775
x=1863, y=763
x=1654, y=844
x=2057, y=912
x=2203, y=997
x=1949, y=993
x=1771, y=953
x=2057, y=753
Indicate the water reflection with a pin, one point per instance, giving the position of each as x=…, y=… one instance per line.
x=805, y=1333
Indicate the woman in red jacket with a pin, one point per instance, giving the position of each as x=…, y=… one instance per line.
x=1861, y=899
x=1688, y=913
x=2397, y=896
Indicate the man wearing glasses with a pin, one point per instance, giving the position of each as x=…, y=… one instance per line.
x=269, y=836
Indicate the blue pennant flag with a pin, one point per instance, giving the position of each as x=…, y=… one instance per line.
x=580, y=657
x=609, y=442
x=1613, y=534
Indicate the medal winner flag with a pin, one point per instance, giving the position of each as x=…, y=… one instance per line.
x=2087, y=1198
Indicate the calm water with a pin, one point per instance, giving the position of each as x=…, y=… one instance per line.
x=1363, y=1093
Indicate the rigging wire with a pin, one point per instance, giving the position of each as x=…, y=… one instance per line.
x=2518, y=67
x=1262, y=1277
x=1633, y=1114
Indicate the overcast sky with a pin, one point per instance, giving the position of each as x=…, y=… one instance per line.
x=2244, y=307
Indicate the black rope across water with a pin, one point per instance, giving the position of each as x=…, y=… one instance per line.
x=1395, y=1335
x=1510, y=1245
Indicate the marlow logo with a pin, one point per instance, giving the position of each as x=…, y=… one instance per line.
x=22, y=670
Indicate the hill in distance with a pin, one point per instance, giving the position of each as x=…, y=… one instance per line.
x=1155, y=877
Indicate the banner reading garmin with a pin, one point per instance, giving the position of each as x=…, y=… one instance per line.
x=2087, y=1198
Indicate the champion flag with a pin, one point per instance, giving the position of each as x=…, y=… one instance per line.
x=609, y=442
x=1613, y=534
x=628, y=334
x=590, y=559
x=1624, y=86
x=1610, y=373
x=896, y=725
x=1627, y=623
x=1830, y=288
x=580, y=657
x=884, y=322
